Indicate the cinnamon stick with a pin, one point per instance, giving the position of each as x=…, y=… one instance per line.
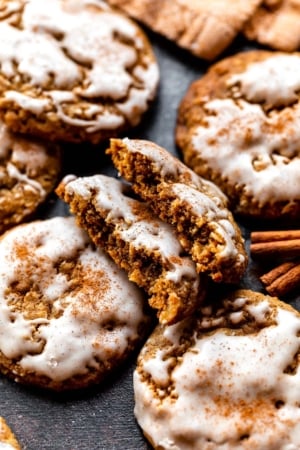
x=283, y=248
x=282, y=279
x=271, y=236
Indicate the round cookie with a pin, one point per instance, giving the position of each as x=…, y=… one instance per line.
x=68, y=315
x=226, y=379
x=239, y=127
x=8, y=440
x=29, y=170
x=74, y=71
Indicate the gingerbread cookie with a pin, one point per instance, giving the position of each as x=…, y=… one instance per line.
x=8, y=440
x=138, y=242
x=276, y=24
x=205, y=28
x=74, y=71
x=29, y=170
x=68, y=315
x=196, y=208
x=239, y=127
x=227, y=378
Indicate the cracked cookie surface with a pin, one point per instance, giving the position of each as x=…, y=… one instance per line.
x=227, y=378
x=239, y=127
x=74, y=71
x=68, y=314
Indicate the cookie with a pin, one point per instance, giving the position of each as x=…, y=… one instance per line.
x=138, y=242
x=29, y=170
x=68, y=315
x=227, y=378
x=74, y=71
x=276, y=24
x=196, y=208
x=8, y=440
x=238, y=126
x=204, y=28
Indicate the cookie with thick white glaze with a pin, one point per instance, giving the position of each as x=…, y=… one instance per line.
x=238, y=126
x=227, y=378
x=138, y=242
x=195, y=207
x=74, y=71
x=204, y=28
x=68, y=314
x=8, y=440
x=29, y=170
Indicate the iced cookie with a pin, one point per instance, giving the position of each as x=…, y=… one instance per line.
x=73, y=71
x=29, y=171
x=138, y=242
x=8, y=440
x=196, y=208
x=239, y=127
x=276, y=24
x=205, y=28
x=227, y=378
x=68, y=315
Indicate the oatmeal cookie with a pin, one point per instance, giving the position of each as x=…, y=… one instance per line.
x=196, y=208
x=205, y=28
x=68, y=314
x=276, y=24
x=226, y=378
x=138, y=242
x=8, y=440
x=73, y=71
x=238, y=126
x=29, y=170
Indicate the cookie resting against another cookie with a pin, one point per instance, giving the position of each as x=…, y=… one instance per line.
x=138, y=242
x=226, y=378
x=29, y=170
x=196, y=208
x=8, y=440
x=68, y=314
x=204, y=28
x=74, y=71
x=239, y=126
x=276, y=24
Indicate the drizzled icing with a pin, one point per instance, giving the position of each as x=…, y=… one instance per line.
x=134, y=223
x=229, y=389
x=251, y=149
x=274, y=81
x=75, y=337
x=167, y=165
x=80, y=49
x=19, y=152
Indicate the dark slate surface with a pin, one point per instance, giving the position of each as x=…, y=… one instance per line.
x=102, y=417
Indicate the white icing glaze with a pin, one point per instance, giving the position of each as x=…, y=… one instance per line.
x=275, y=80
x=77, y=337
x=109, y=194
x=75, y=46
x=6, y=446
x=29, y=154
x=225, y=386
x=167, y=165
x=251, y=149
x=218, y=218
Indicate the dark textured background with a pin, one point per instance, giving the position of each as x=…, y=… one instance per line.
x=102, y=417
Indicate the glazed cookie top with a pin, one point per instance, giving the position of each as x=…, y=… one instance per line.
x=68, y=314
x=226, y=379
x=135, y=224
x=247, y=133
x=28, y=172
x=78, y=62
